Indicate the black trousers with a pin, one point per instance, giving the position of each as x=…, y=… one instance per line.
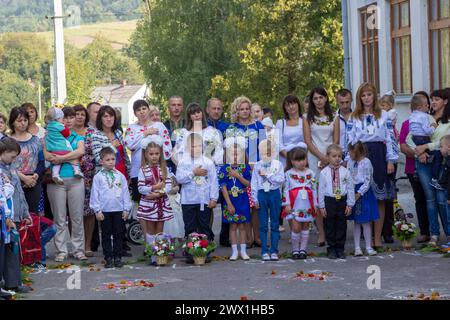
x=33, y=196
x=389, y=210
x=112, y=226
x=224, y=227
x=335, y=223
x=421, y=205
x=9, y=266
x=196, y=220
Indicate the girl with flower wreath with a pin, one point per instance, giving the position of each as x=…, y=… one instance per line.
x=154, y=183
x=300, y=200
x=234, y=179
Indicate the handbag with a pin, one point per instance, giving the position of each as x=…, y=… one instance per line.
x=30, y=241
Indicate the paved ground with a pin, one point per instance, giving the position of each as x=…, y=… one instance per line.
x=401, y=274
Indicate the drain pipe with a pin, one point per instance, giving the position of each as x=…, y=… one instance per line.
x=347, y=78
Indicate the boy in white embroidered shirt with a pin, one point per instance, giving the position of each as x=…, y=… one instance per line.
x=336, y=199
x=110, y=200
x=267, y=180
x=200, y=189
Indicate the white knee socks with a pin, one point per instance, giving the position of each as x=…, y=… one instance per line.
x=304, y=240
x=295, y=237
x=243, y=248
x=367, y=230
x=367, y=234
x=357, y=235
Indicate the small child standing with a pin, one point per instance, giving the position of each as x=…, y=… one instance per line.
x=365, y=210
x=267, y=180
x=444, y=181
x=300, y=200
x=234, y=179
x=199, y=189
x=153, y=184
x=56, y=142
x=336, y=199
x=110, y=200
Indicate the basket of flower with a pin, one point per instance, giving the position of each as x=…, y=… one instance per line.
x=198, y=246
x=162, y=248
x=405, y=232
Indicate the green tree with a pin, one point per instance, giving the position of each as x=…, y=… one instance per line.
x=14, y=91
x=180, y=48
x=80, y=77
x=294, y=46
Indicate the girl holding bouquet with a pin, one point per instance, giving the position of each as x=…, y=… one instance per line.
x=154, y=184
x=300, y=194
x=234, y=179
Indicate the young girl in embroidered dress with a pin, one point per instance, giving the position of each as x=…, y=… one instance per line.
x=234, y=179
x=154, y=184
x=300, y=200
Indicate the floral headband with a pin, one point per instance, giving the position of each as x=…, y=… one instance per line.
x=151, y=139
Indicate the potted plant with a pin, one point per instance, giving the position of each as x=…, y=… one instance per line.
x=405, y=232
x=162, y=247
x=198, y=246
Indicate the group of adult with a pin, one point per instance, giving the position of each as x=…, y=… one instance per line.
x=96, y=126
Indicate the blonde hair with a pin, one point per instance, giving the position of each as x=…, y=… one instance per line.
x=153, y=108
x=334, y=147
x=359, y=109
x=162, y=162
x=236, y=105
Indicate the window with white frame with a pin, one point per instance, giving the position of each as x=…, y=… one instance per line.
x=401, y=46
x=369, y=46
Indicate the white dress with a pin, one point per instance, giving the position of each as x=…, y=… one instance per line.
x=321, y=136
x=300, y=193
x=290, y=137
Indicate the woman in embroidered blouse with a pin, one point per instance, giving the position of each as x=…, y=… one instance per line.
x=107, y=135
x=372, y=126
x=212, y=138
x=291, y=127
x=30, y=162
x=320, y=130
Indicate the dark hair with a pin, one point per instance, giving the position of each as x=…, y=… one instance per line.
x=192, y=108
x=425, y=94
x=359, y=148
x=140, y=103
x=29, y=105
x=444, y=95
x=15, y=113
x=103, y=110
x=267, y=110
x=8, y=144
x=68, y=112
x=291, y=99
x=296, y=154
x=118, y=118
x=93, y=103
x=106, y=151
x=343, y=93
x=312, y=111
x=80, y=107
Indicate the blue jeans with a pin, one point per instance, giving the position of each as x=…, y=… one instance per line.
x=47, y=234
x=269, y=204
x=434, y=196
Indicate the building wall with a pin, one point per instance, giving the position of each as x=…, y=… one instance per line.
x=142, y=93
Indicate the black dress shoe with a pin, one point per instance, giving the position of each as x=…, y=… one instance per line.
x=303, y=255
x=321, y=244
x=126, y=247
x=189, y=260
x=256, y=244
x=20, y=289
x=332, y=254
x=109, y=263
x=340, y=255
x=5, y=295
x=296, y=255
x=388, y=239
x=118, y=263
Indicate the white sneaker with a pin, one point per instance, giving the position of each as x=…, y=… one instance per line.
x=58, y=180
x=265, y=257
x=245, y=256
x=281, y=229
x=358, y=252
x=434, y=241
x=371, y=251
x=234, y=256
x=274, y=257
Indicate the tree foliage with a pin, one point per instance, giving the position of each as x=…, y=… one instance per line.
x=14, y=91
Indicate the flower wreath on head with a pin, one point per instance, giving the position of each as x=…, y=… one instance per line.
x=151, y=139
x=240, y=141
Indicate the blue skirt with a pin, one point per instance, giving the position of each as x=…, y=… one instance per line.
x=383, y=186
x=366, y=208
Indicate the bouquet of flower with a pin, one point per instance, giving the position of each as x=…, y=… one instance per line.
x=161, y=246
x=404, y=231
x=197, y=245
